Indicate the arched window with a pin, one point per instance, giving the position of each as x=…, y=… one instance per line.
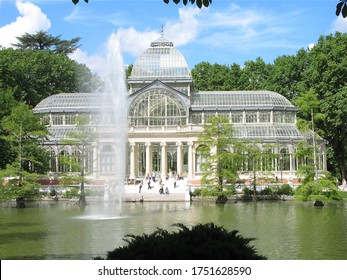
x=158, y=108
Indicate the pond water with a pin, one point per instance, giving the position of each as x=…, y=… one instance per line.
x=283, y=230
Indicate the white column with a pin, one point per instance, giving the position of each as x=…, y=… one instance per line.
x=190, y=160
x=324, y=161
x=148, y=159
x=132, y=160
x=163, y=159
x=179, y=158
x=95, y=161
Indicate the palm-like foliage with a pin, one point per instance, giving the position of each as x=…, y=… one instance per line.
x=201, y=242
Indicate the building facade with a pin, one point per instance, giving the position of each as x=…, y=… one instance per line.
x=165, y=116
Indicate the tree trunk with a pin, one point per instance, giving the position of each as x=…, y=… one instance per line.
x=82, y=200
x=254, y=198
x=20, y=202
x=222, y=199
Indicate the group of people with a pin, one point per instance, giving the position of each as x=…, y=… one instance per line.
x=161, y=190
x=148, y=180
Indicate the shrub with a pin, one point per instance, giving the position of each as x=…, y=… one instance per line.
x=285, y=189
x=71, y=193
x=196, y=192
x=201, y=242
x=248, y=192
x=267, y=191
x=214, y=191
x=322, y=189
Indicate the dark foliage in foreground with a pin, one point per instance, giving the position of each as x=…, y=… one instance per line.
x=201, y=242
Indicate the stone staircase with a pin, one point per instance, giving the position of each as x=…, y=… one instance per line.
x=151, y=197
x=180, y=193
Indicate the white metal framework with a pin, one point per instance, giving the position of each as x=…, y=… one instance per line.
x=165, y=116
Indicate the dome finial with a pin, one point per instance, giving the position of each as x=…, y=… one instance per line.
x=162, y=30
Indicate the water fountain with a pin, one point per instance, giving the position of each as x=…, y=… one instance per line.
x=113, y=115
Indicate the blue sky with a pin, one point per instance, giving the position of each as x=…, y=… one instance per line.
x=227, y=32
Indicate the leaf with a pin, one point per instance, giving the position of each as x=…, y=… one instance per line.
x=344, y=10
x=166, y=1
x=338, y=8
x=199, y=3
x=176, y=1
x=86, y=1
x=206, y=2
x=75, y=1
x=185, y=2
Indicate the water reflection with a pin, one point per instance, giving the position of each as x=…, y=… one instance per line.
x=283, y=230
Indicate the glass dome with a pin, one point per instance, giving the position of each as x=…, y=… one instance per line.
x=161, y=60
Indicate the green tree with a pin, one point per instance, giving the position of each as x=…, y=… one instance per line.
x=321, y=190
x=44, y=41
x=220, y=162
x=325, y=74
x=308, y=104
x=235, y=80
x=25, y=132
x=304, y=154
x=201, y=75
x=286, y=74
x=256, y=73
x=335, y=128
x=35, y=75
x=7, y=103
x=82, y=139
x=256, y=158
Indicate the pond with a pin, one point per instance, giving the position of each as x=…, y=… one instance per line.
x=284, y=230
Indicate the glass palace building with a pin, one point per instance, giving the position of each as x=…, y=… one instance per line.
x=165, y=116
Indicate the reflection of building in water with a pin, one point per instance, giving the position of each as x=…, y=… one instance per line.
x=165, y=117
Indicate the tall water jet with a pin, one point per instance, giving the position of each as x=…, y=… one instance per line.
x=114, y=116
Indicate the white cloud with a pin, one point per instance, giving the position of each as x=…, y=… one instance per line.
x=77, y=15
x=135, y=42
x=339, y=24
x=94, y=62
x=31, y=20
x=311, y=46
x=186, y=29
x=181, y=32
x=243, y=29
